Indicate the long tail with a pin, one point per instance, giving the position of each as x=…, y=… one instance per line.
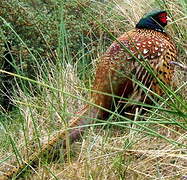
x=57, y=139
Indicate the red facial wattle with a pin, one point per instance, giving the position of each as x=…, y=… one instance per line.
x=163, y=18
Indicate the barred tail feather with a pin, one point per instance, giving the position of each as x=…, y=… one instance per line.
x=58, y=140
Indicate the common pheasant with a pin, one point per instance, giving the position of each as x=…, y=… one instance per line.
x=148, y=42
x=120, y=72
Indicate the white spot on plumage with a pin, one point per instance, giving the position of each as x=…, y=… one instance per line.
x=139, y=56
x=143, y=46
x=137, y=48
x=156, y=48
x=129, y=57
x=159, y=53
x=149, y=42
x=138, y=44
x=132, y=51
x=157, y=42
x=145, y=51
x=161, y=49
x=152, y=57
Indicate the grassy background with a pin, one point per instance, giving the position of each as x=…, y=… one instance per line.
x=54, y=49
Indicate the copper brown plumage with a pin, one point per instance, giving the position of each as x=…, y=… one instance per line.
x=119, y=70
x=118, y=66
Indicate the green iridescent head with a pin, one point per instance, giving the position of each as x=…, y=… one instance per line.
x=156, y=20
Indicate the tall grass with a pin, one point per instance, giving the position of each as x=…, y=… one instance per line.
x=151, y=146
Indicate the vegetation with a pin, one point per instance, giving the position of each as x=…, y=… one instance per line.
x=52, y=47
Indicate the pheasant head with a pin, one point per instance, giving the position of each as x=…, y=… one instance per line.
x=156, y=20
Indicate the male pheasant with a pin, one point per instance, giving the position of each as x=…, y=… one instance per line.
x=121, y=65
x=120, y=72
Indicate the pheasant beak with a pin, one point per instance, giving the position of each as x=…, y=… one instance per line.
x=169, y=19
x=182, y=66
